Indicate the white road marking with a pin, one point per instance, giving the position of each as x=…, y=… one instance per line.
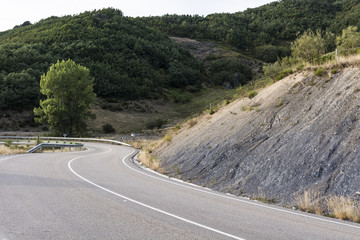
x=143, y=204
x=209, y=191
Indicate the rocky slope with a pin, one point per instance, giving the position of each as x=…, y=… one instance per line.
x=300, y=133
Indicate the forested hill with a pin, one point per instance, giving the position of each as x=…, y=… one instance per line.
x=128, y=59
x=267, y=31
x=134, y=58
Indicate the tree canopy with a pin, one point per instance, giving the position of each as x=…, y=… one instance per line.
x=309, y=47
x=267, y=31
x=127, y=59
x=134, y=58
x=68, y=88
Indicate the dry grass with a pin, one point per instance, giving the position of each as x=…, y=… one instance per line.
x=261, y=197
x=10, y=150
x=343, y=208
x=134, y=121
x=334, y=206
x=146, y=156
x=342, y=62
x=311, y=202
x=192, y=122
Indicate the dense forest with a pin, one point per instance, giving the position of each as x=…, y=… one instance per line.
x=267, y=31
x=128, y=59
x=134, y=58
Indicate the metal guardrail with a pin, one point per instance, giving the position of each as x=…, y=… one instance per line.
x=40, y=146
x=55, y=145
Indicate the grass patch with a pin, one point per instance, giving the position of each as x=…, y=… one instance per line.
x=146, y=156
x=252, y=94
x=334, y=70
x=262, y=198
x=5, y=150
x=311, y=202
x=167, y=111
x=343, y=208
x=168, y=138
x=284, y=73
x=280, y=103
x=192, y=122
x=333, y=206
x=320, y=71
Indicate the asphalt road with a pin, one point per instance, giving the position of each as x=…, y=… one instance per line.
x=101, y=194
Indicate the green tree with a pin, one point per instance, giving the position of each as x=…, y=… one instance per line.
x=309, y=47
x=18, y=90
x=68, y=88
x=349, y=40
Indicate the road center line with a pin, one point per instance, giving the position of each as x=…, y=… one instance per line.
x=143, y=204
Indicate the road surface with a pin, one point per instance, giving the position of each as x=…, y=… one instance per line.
x=101, y=194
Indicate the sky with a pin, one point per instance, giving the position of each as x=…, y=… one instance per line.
x=16, y=12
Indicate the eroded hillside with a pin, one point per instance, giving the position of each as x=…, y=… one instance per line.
x=300, y=133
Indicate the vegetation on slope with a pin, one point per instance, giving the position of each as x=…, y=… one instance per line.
x=127, y=59
x=264, y=32
x=133, y=58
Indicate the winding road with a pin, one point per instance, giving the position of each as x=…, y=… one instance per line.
x=101, y=194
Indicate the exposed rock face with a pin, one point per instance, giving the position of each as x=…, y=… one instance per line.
x=302, y=132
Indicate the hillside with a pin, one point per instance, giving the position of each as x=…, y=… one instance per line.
x=267, y=31
x=300, y=133
x=223, y=66
x=128, y=60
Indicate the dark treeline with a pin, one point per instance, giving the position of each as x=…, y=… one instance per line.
x=267, y=31
x=128, y=59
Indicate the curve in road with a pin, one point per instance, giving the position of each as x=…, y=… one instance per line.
x=101, y=193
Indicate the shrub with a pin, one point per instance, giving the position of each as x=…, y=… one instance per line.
x=157, y=123
x=310, y=202
x=343, y=208
x=319, y=72
x=108, y=128
x=8, y=143
x=192, y=123
x=168, y=138
x=284, y=73
x=177, y=127
x=280, y=103
x=334, y=70
x=252, y=94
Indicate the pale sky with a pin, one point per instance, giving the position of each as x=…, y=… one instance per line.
x=15, y=12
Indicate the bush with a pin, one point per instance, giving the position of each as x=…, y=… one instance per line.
x=8, y=143
x=284, y=73
x=158, y=123
x=252, y=94
x=168, y=138
x=192, y=123
x=334, y=70
x=108, y=128
x=343, y=208
x=319, y=72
